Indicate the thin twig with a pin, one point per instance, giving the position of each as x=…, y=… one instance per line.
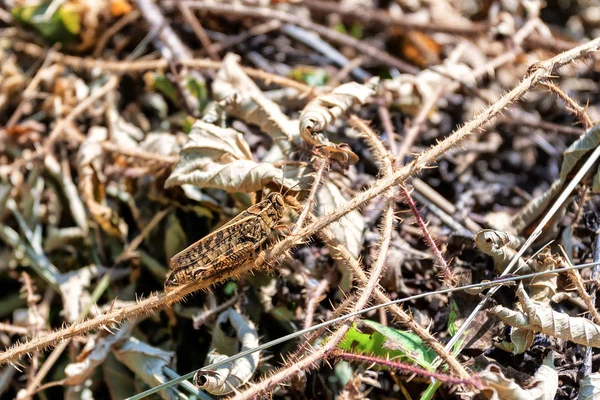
x=237, y=9
x=572, y=105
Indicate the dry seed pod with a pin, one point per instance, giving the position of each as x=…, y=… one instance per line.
x=230, y=376
x=500, y=246
x=325, y=109
x=542, y=318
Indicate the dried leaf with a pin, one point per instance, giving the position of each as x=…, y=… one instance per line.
x=507, y=389
x=220, y=158
x=500, y=246
x=95, y=352
x=325, y=109
x=542, y=318
x=147, y=363
x=589, y=387
x=242, y=98
x=348, y=229
x=228, y=377
x=544, y=287
x=89, y=164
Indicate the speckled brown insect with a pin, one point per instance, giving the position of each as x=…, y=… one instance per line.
x=228, y=247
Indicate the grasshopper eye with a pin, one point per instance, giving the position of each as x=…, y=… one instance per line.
x=171, y=281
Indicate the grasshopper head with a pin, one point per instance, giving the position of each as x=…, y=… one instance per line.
x=172, y=280
x=278, y=203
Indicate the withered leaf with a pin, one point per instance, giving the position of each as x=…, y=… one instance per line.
x=220, y=158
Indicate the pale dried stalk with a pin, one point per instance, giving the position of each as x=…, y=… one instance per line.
x=161, y=64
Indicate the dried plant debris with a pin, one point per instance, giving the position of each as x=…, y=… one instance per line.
x=217, y=157
x=501, y=246
x=541, y=318
x=544, y=386
x=228, y=377
x=163, y=162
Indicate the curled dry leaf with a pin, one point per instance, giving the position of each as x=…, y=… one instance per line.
x=243, y=99
x=95, y=352
x=589, y=387
x=500, y=246
x=220, y=158
x=325, y=109
x=348, y=229
x=544, y=388
x=146, y=362
x=228, y=377
x=520, y=341
x=542, y=318
x=544, y=287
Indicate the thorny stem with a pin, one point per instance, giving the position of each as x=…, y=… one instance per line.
x=572, y=105
x=444, y=270
x=311, y=360
x=379, y=295
x=538, y=72
x=381, y=153
x=308, y=204
x=407, y=368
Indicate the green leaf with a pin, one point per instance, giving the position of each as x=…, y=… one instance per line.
x=198, y=89
x=63, y=26
x=159, y=82
x=390, y=343
x=356, y=31
x=309, y=75
x=454, y=313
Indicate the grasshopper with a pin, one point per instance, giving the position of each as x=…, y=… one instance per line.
x=229, y=246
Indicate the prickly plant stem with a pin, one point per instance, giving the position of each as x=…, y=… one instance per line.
x=308, y=204
x=407, y=368
x=381, y=154
x=572, y=105
x=440, y=263
x=399, y=314
x=538, y=72
x=146, y=306
x=575, y=278
x=310, y=360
